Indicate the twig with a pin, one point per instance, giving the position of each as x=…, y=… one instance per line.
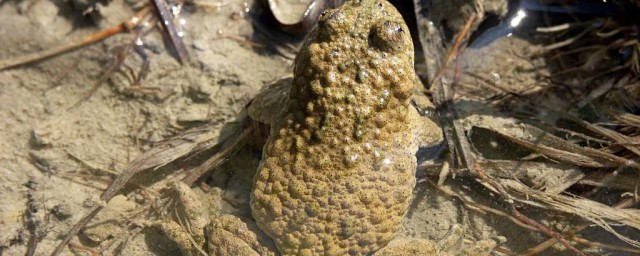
x=565, y=42
x=89, y=40
x=603, y=245
x=454, y=51
x=553, y=29
x=166, y=20
x=476, y=206
x=546, y=244
x=46, y=54
x=561, y=150
x=540, y=227
x=566, y=26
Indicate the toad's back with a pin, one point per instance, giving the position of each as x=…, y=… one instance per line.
x=338, y=168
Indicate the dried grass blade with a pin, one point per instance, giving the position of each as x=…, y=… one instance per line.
x=592, y=211
x=564, y=151
x=630, y=143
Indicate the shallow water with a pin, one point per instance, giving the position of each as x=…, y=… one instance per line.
x=59, y=157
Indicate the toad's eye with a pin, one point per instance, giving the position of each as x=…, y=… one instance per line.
x=388, y=36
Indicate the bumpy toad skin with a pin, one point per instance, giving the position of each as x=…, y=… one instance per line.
x=338, y=169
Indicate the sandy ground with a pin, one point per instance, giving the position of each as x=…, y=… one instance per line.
x=51, y=145
x=60, y=157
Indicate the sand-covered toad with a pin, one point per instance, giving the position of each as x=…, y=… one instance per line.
x=338, y=169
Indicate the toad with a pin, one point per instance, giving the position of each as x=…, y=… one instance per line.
x=338, y=168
